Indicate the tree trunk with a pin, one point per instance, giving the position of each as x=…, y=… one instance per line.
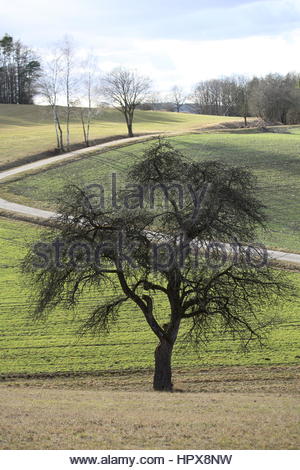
x=245, y=120
x=60, y=132
x=129, y=126
x=83, y=128
x=56, y=128
x=68, y=126
x=163, y=373
x=88, y=129
x=61, y=141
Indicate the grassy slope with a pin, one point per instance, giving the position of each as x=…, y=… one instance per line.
x=53, y=346
x=273, y=157
x=28, y=130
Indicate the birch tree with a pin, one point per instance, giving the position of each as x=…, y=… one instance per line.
x=50, y=87
x=69, y=81
x=89, y=91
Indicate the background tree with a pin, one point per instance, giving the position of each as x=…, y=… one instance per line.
x=243, y=91
x=58, y=84
x=275, y=97
x=224, y=96
x=19, y=70
x=126, y=90
x=69, y=81
x=88, y=92
x=154, y=266
x=208, y=98
x=178, y=97
x=50, y=87
x=153, y=102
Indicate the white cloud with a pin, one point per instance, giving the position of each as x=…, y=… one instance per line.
x=182, y=46
x=185, y=62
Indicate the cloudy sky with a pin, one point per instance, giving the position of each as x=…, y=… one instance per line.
x=172, y=41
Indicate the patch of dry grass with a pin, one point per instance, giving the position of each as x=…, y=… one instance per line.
x=229, y=408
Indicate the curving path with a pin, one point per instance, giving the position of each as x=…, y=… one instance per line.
x=292, y=258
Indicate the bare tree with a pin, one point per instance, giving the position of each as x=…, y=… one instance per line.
x=207, y=99
x=57, y=84
x=226, y=96
x=50, y=86
x=88, y=91
x=274, y=97
x=86, y=113
x=67, y=52
x=152, y=103
x=178, y=97
x=118, y=252
x=243, y=85
x=126, y=90
x=19, y=71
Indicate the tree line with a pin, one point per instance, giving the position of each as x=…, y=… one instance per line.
x=62, y=80
x=274, y=98
x=19, y=71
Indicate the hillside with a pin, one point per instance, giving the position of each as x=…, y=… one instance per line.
x=28, y=130
x=52, y=346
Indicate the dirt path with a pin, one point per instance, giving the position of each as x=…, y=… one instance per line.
x=64, y=156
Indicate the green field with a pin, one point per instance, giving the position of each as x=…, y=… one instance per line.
x=27, y=347
x=273, y=157
x=27, y=130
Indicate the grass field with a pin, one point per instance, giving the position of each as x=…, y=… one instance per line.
x=27, y=130
x=53, y=346
x=225, y=399
x=274, y=158
x=227, y=408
